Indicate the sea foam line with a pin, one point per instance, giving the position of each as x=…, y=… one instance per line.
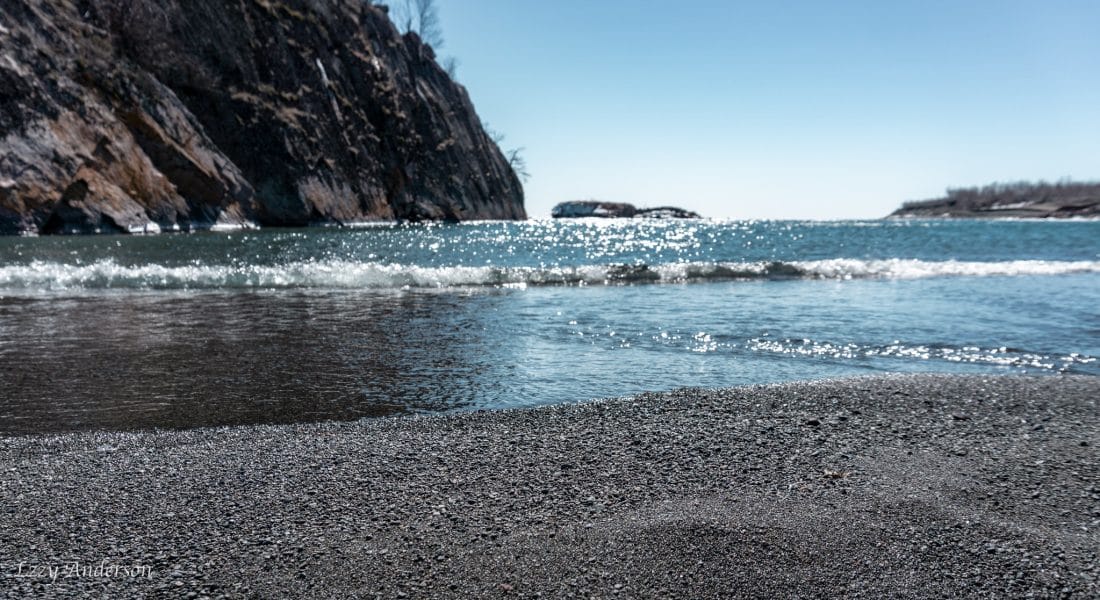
x=107, y=274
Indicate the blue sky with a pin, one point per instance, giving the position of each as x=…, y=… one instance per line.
x=779, y=109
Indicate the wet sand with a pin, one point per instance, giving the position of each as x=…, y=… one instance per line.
x=896, y=486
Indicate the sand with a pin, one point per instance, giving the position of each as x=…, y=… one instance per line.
x=897, y=486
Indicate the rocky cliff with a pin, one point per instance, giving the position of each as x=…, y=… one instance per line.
x=136, y=115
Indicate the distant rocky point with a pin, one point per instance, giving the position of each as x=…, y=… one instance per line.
x=1010, y=200
x=149, y=115
x=617, y=210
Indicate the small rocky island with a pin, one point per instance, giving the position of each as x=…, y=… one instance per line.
x=617, y=210
x=1010, y=200
x=141, y=115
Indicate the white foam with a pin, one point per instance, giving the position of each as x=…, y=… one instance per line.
x=148, y=228
x=843, y=268
x=229, y=226
x=106, y=274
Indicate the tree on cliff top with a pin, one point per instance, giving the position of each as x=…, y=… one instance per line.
x=420, y=16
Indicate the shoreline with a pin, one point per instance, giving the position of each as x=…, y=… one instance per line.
x=154, y=229
x=900, y=485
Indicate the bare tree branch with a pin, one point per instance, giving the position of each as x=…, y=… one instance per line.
x=450, y=65
x=518, y=163
x=493, y=134
x=421, y=17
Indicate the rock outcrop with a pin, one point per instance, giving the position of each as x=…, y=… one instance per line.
x=667, y=212
x=594, y=208
x=1013, y=200
x=145, y=115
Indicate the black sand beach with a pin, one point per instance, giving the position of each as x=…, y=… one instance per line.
x=898, y=486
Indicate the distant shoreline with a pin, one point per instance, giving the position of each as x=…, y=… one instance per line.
x=917, y=486
x=1039, y=200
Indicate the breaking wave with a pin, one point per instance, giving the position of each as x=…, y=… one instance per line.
x=41, y=275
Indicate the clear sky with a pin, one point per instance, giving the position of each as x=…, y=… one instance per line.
x=782, y=109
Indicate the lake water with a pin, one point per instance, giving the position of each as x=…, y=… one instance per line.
x=116, y=332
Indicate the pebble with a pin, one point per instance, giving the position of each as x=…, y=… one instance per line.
x=598, y=498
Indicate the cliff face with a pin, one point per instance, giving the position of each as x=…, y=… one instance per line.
x=130, y=115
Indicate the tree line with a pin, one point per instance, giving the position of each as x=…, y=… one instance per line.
x=1010, y=193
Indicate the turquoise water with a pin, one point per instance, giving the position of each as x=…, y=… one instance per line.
x=291, y=325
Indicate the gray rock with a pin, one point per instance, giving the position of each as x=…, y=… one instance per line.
x=594, y=208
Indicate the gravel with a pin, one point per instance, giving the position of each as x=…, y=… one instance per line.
x=899, y=486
